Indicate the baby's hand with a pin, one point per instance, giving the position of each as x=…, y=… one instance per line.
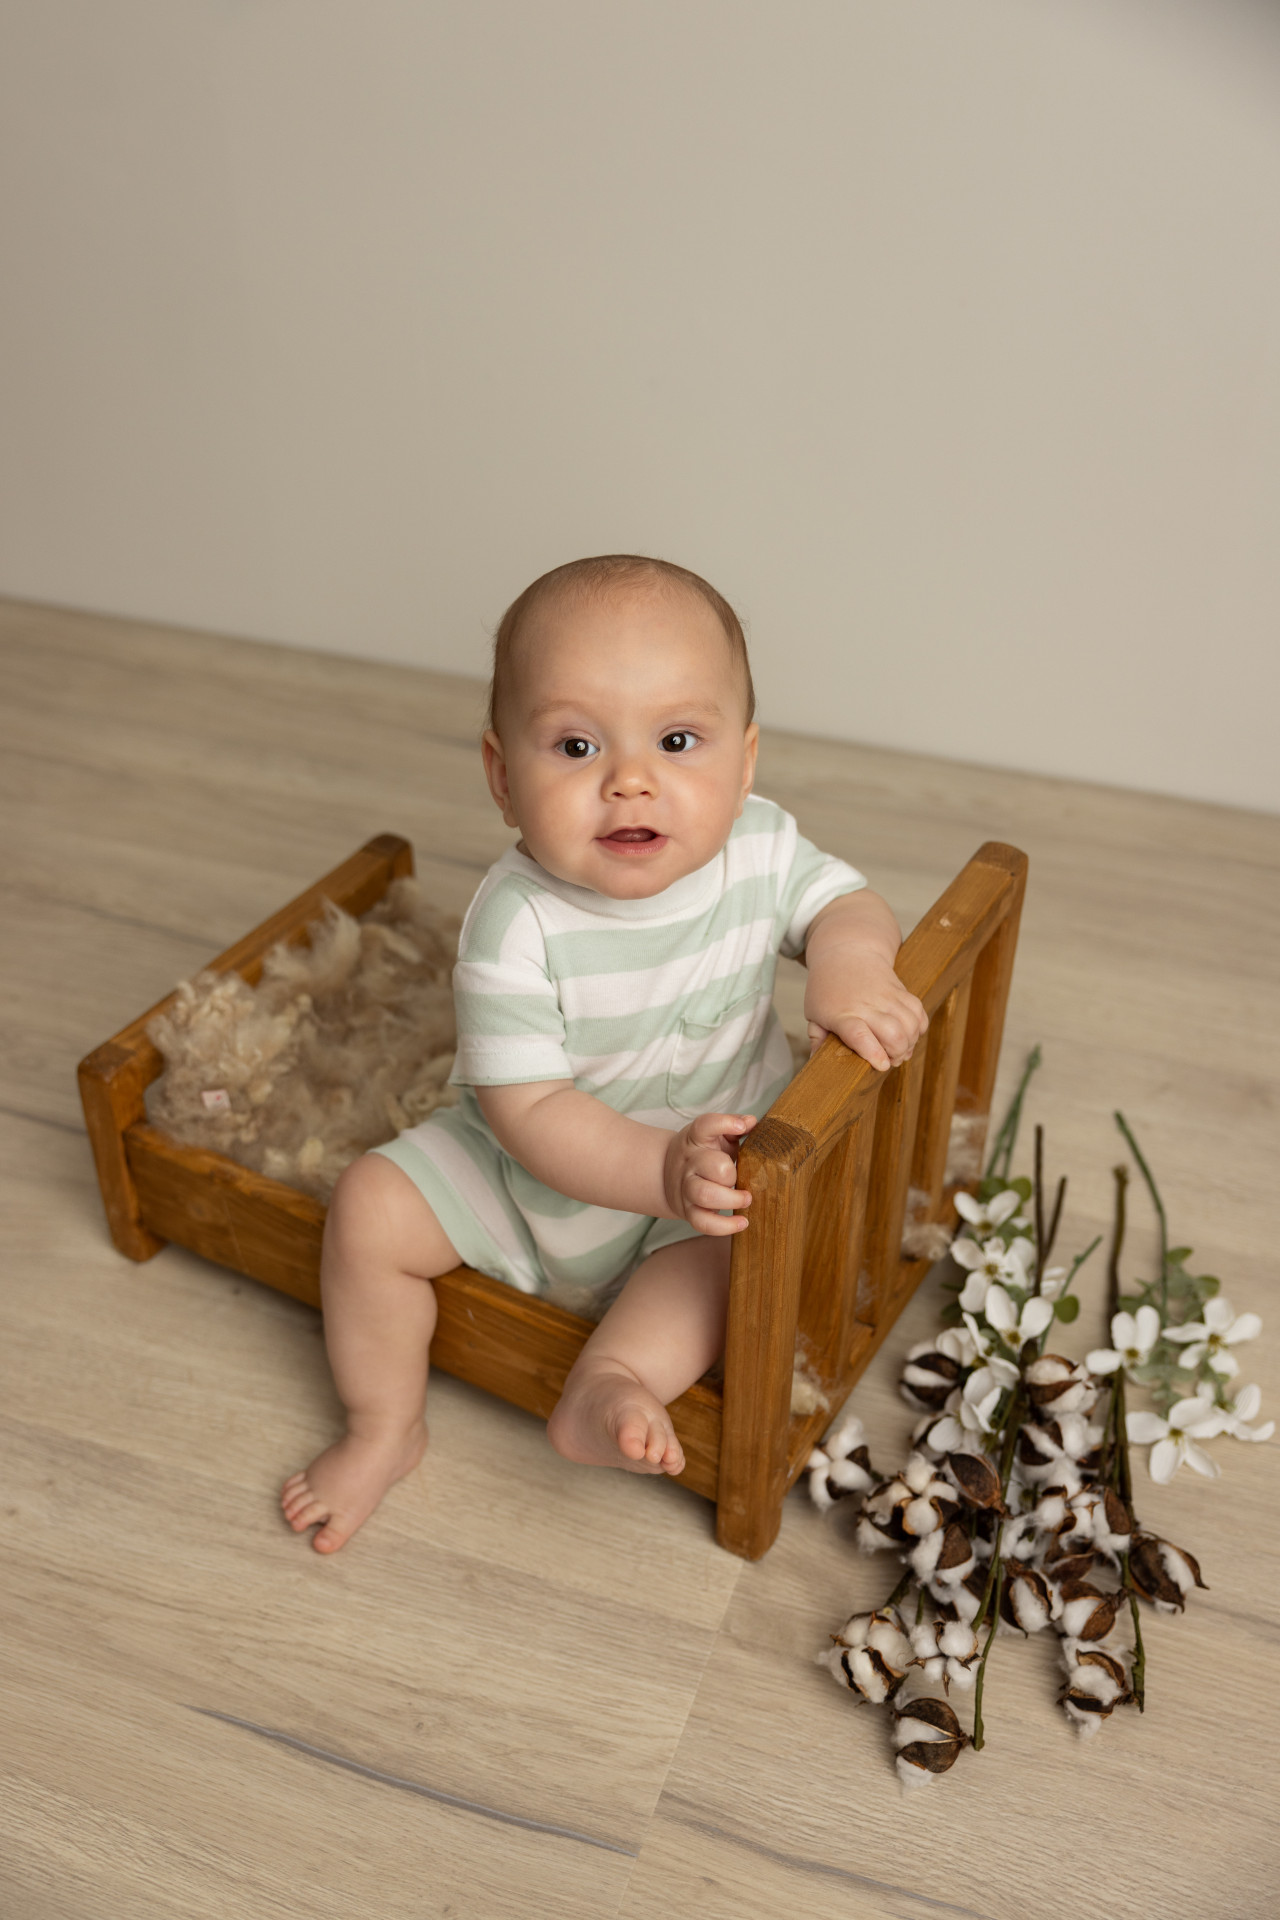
x=873, y=1014
x=699, y=1172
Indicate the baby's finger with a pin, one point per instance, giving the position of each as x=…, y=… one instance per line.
x=709, y=1193
x=860, y=1039
x=708, y=1128
x=715, y=1225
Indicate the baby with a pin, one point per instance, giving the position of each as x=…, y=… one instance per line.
x=616, y=1034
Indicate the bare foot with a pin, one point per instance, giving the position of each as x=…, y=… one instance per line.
x=343, y=1485
x=606, y=1418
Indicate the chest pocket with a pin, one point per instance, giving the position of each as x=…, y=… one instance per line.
x=710, y=1057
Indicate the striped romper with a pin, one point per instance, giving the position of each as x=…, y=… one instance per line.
x=662, y=1008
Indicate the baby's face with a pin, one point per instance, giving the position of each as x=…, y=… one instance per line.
x=624, y=755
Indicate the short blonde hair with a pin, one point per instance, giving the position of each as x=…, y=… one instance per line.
x=584, y=579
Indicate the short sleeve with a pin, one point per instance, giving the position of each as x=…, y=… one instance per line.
x=810, y=882
x=510, y=1025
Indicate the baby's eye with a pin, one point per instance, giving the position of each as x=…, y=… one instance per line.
x=576, y=748
x=679, y=742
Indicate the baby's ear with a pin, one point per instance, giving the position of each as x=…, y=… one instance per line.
x=495, y=772
x=750, y=747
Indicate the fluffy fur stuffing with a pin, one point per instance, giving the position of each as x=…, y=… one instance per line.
x=343, y=1042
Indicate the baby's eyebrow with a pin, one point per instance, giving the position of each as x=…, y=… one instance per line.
x=692, y=710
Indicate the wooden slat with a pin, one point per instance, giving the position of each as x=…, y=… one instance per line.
x=764, y=1299
x=833, y=1253
x=895, y=1130
x=226, y=1213
x=992, y=975
x=945, y=1041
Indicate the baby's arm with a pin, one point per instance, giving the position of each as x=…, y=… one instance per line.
x=578, y=1146
x=852, y=990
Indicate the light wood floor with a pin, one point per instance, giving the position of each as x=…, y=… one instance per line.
x=531, y=1689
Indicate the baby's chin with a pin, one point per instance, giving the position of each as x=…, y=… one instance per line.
x=634, y=871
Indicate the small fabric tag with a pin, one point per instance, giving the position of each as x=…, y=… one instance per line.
x=216, y=1099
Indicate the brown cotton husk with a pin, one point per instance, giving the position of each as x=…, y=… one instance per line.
x=977, y=1479
x=1159, y=1579
x=928, y=1736
x=343, y=1042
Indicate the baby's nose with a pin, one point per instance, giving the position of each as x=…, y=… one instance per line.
x=631, y=777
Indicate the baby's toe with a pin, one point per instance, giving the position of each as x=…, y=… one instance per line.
x=633, y=1436
x=332, y=1536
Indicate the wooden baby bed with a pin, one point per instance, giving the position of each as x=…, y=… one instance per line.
x=831, y=1169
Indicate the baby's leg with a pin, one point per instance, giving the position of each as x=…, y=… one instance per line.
x=383, y=1246
x=661, y=1334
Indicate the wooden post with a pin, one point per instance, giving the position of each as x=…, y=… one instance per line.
x=764, y=1300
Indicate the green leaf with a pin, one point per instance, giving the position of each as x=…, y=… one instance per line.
x=1207, y=1285
x=1176, y=1255
x=1067, y=1308
x=1129, y=1302
x=989, y=1188
x=951, y=1315
x=1022, y=1187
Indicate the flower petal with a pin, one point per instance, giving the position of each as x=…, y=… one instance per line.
x=1218, y=1313
x=1146, y=1427
x=998, y=1309
x=1247, y=1401
x=1036, y=1315
x=1247, y=1327
x=1146, y=1329
x=966, y=1252
x=1197, y=1457
x=1124, y=1331
x=1102, y=1360
x=1164, y=1461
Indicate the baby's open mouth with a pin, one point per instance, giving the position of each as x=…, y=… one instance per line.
x=633, y=840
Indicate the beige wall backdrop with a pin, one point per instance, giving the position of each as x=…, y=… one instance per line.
x=945, y=338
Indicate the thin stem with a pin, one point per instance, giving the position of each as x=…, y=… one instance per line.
x=1139, y=1675
x=1006, y=1138
x=1118, y=1461
x=897, y=1593
x=1158, y=1204
x=991, y=1591
x=1038, y=1189
x=1076, y=1265
x=1121, y=1177
x=1054, y=1218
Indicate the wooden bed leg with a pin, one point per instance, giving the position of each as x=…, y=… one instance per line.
x=113, y=1082
x=760, y=1341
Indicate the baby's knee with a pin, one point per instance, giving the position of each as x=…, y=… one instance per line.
x=376, y=1212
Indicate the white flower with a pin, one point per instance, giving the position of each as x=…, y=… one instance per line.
x=1013, y=1328
x=986, y=1264
x=1211, y=1336
x=985, y=1216
x=1051, y=1282
x=1132, y=1338
x=1244, y=1408
x=982, y=1393
x=1174, y=1440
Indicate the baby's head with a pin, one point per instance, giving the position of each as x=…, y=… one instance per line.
x=621, y=737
